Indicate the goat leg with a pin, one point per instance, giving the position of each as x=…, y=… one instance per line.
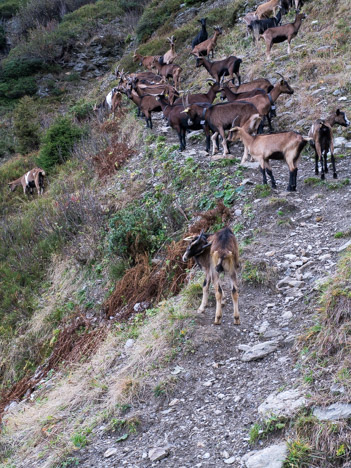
x=205, y=289
x=235, y=298
x=263, y=171
x=325, y=162
x=270, y=173
x=335, y=175
x=316, y=163
x=218, y=289
x=291, y=181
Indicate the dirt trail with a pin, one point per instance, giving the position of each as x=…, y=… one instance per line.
x=206, y=419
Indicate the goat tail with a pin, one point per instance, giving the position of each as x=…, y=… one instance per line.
x=219, y=266
x=160, y=60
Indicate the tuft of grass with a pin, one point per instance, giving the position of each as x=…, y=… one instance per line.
x=262, y=190
x=270, y=425
x=298, y=454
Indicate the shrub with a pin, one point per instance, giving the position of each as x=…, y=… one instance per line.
x=81, y=110
x=19, y=68
x=135, y=229
x=9, y=8
x=58, y=142
x=26, y=127
x=14, y=89
x=2, y=38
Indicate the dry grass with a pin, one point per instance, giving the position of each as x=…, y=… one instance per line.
x=56, y=413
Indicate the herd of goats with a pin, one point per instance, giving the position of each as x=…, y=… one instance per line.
x=247, y=108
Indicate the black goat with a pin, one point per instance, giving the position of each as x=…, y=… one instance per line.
x=202, y=35
x=258, y=27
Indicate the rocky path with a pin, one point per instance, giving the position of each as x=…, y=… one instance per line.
x=206, y=419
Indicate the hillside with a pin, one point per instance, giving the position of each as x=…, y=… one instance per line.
x=103, y=355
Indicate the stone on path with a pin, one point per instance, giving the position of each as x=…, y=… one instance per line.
x=333, y=412
x=270, y=457
x=282, y=404
x=158, y=453
x=259, y=351
x=109, y=452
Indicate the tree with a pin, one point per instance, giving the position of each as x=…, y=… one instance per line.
x=26, y=126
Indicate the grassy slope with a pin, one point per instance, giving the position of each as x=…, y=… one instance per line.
x=72, y=285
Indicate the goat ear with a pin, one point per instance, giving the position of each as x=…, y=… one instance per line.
x=337, y=111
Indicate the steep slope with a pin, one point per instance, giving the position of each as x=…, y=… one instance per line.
x=168, y=377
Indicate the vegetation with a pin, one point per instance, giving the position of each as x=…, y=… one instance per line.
x=26, y=126
x=58, y=142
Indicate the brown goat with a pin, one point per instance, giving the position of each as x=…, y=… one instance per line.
x=171, y=54
x=285, y=145
x=216, y=253
x=169, y=71
x=146, y=61
x=322, y=134
x=265, y=103
x=31, y=179
x=261, y=83
x=220, y=117
x=221, y=68
x=205, y=47
x=282, y=33
x=267, y=9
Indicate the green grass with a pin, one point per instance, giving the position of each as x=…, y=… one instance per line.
x=262, y=190
x=270, y=425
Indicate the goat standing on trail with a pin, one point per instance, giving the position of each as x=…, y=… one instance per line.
x=284, y=145
x=33, y=178
x=216, y=253
x=322, y=134
x=282, y=33
x=110, y=104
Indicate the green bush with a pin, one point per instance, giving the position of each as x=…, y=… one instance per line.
x=58, y=142
x=135, y=229
x=2, y=38
x=81, y=110
x=14, y=89
x=26, y=126
x=9, y=8
x=20, y=68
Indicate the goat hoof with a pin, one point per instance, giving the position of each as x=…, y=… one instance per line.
x=289, y=188
x=326, y=170
x=236, y=321
x=274, y=186
x=316, y=172
x=200, y=311
x=335, y=175
x=322, y=177
x=217, y=322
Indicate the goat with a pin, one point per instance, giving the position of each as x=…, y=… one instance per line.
x=180, y=122
x=261, y=83
x=170, y=55
x=221, y=68
x=322, y=135
x=146, y=61
x=202, y=35
x=285, y=145
x=220, y=117
x=169, y=71
x=216, y=253
x=265, y=104
x=282, y=33
x=111, y=102
x=32, y=178
x=231, y=97
x=258, y=27
x=205, y=47
x=145, y=103
x=266, y=9
x=208, y=97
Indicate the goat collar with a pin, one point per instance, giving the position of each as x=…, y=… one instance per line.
x=204, y=112
x=270, y=99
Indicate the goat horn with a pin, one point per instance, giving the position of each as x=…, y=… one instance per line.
x=236, y=118
x=281, y=75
